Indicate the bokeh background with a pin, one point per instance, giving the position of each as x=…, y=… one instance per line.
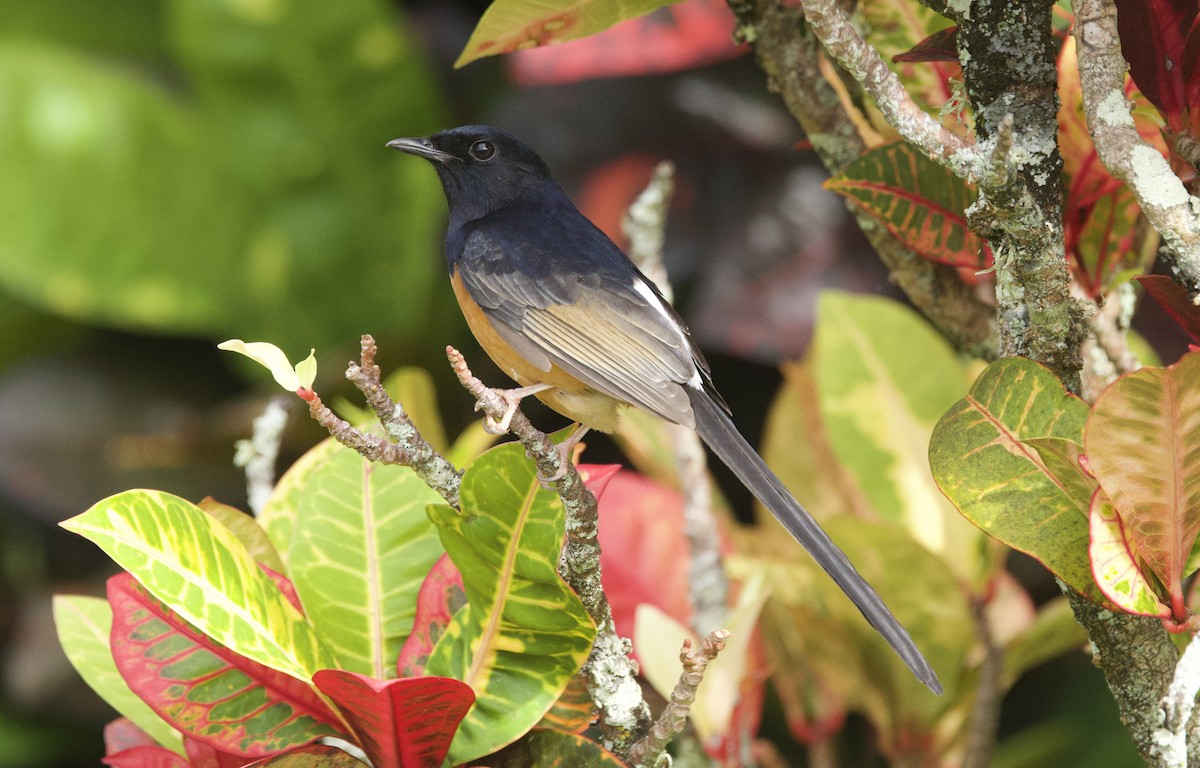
x=177, y=172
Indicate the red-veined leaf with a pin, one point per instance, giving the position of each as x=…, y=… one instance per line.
x=1115, y=562
x=1152, y=39
x=920, y=202
x=1174, y=300
x=687, y=34
x=1190, y=66
x=145, y=757
x=510, y=25
x=983, y=462
x=310, y=756
x=1100, y=211
x=407, y=723
x=440, y=597
x=940, y=46
x=1143, y=446
x=201, y=755
x=204, y=689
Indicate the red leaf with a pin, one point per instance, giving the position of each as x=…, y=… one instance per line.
x=1190, y=66
x=309, y=756
x=440, y=597
x=406, y=723
x=121, y=734
x=145, y=757
x=597, y=476
x=1173, y=298
x=940, y=46
x=1152, y=39
x=204, y=689
x=201, y=755
x=643, y=551
x=680, y=36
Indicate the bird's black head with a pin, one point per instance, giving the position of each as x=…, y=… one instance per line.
x=482, y=168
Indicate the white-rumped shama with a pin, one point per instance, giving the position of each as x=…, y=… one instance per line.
x=560, y=308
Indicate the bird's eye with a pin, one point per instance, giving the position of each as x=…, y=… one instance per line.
x=483, y=150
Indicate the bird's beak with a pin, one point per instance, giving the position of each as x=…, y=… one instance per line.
x=422, y=148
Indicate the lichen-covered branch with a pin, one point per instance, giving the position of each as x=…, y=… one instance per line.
x=1161, y=194
x=791, y=61
x=610, y=673
x=645, y=753
x=438, y=473
x=645, y=224
x=257, y=455
x=1137, y=678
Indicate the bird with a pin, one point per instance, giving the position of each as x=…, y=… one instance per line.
x=561, y=309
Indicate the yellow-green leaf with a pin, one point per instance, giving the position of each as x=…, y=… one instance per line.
x=361, y=545
x=202, y=572
x=523, y=633
x=84, y=625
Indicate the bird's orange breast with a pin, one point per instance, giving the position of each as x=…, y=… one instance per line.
x=570, y=396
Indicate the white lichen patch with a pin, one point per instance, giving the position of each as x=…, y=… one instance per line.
x=1114, y=110
x=1153, y=180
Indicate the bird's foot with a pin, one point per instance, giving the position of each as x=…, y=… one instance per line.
x=512, y=400
x=565, y=449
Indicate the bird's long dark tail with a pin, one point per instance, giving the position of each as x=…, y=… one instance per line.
x=718, y=431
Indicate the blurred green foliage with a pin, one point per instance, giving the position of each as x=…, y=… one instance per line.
x=216, y=167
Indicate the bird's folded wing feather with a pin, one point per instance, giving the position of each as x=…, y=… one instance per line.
x=596, y=328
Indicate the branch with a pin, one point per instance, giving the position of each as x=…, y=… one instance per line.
x=1177, y=706
x=438, y=473
x=792, y=64
x=865, y=65
x=985, y=713
x=1144, y=170
x=257, y=455
x=1138, y=680
x=674, y=717
x=611, y=675
x=644, y=224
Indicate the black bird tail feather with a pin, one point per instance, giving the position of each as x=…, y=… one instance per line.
x=716, y=429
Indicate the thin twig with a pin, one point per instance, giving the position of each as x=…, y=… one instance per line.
x=611, y=675
x=438, y=473
x=708, y=588
x=256, y=456
x=1161, y=194
x=985, y=712
x=674, y=716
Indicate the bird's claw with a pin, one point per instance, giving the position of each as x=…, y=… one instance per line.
x=500, y=426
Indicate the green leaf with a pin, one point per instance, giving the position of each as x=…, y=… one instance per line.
x=921, y=203
x=278, y=515
x=202, y=572
x=510, y=25
x=84, y=624
x=553, y=749
x=247, y=530
x=275, y=114
x=884, y=377
x=523, y=633
x=1143, y=446
x=1063, y=460
x=360, y=548
x=982, y=463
